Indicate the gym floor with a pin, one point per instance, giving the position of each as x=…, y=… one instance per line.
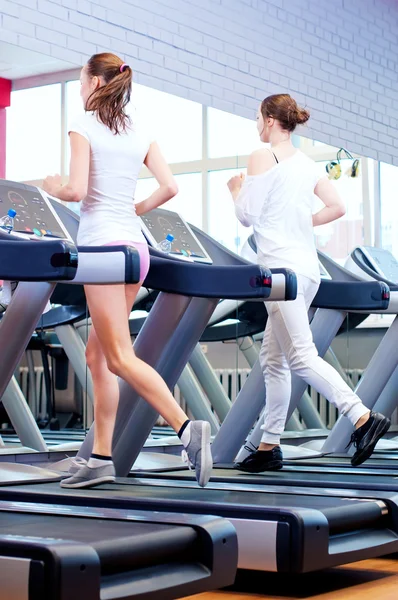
x=376, y=579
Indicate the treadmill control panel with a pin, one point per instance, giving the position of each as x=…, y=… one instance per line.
x=35, y=217
x=158, y=223
x=381, y=261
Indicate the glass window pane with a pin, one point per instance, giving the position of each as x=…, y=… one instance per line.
x=338, y=238
x=175, y=123
x=74, y=103
x=74, y=108
x=223, y=224
x=188, y=201
x=389, y=211
x=230, y=135
x=34, y=133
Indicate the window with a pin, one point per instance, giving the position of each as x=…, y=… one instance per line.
x=230, y=135
x=339, y=237
x=223, y=224
x=188, y=202
x=34, y=133
x=175, y=123
x=36, y=145
x=389, y=210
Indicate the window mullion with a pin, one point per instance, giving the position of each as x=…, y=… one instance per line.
x=63, y=129
x=205, y=174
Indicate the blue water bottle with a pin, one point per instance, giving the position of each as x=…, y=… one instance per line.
x=7, y=222
x=165, y=245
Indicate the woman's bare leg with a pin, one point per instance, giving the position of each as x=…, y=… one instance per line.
x=110, y=354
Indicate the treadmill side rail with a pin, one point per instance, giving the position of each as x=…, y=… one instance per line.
x=114, y=559
x=47, y=568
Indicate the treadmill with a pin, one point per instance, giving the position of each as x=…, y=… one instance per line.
x=331, y=469
x=279, y=528
x=63, y=552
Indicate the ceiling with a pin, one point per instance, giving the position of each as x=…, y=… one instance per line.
x=17, y=62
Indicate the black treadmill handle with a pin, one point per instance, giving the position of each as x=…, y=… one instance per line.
x=348, y=296
x=30, y=260
x=208, y=281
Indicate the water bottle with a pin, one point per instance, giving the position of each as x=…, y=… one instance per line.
x=7, y=222
x=165, y=245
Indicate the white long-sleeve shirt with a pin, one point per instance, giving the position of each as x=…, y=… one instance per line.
x=279, y=206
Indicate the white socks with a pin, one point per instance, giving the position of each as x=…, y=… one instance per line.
x=186, y=435
x=94, y=462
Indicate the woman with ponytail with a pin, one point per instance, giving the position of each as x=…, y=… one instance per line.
x=276, y=198
x=107, y=154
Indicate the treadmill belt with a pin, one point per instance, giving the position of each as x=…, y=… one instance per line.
x=127, y=493
x=302, y=477
x=377, y=461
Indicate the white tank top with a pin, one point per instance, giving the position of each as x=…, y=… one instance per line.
x=108, y=211
x=279, y=205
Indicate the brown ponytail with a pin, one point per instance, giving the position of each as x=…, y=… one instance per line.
x=110, y=100
x=284, y=109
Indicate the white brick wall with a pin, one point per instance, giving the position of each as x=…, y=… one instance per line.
x=339, y=58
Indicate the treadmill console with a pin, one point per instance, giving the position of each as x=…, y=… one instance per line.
x=158, y=223
x=35, y=216
x=381, y=261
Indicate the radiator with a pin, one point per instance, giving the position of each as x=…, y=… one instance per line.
x=38, y=399
x=232, y=380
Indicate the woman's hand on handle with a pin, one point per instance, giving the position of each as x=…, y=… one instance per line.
x=235, y=185
x=75, y=190
x=52, y=184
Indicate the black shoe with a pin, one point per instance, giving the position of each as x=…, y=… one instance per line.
x=366, y=437
x=262, y=460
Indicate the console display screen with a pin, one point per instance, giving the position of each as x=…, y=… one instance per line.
x=158, y=223
x=34, y=215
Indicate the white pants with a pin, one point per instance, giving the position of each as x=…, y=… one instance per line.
x=288, y=346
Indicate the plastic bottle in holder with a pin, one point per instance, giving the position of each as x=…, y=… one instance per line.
x=165, y=245
x=7, y=222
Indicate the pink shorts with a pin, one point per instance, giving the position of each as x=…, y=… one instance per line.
x=143, y=251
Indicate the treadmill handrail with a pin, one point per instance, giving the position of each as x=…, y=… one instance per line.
x=208, y=281
x=346, y=296
x=107, y=265
x=30, y=260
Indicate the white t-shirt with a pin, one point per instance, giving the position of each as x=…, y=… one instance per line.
x=279, y=205
x=108, y=212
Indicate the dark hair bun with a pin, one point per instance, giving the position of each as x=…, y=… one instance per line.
x=295, y=115
x=285, y=109
x=302, y=115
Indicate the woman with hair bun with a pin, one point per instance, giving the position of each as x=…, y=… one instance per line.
x=107, y=154
x=276, y=198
